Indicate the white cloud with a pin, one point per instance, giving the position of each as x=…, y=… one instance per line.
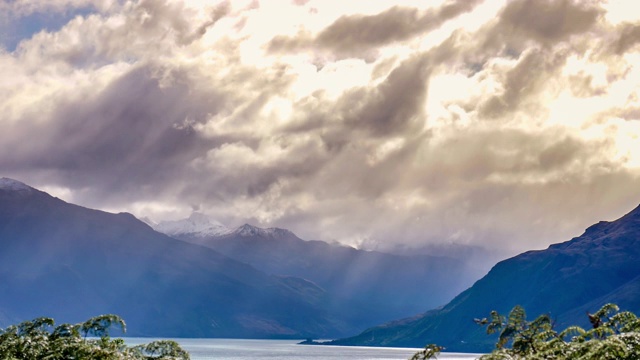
x=339, y=120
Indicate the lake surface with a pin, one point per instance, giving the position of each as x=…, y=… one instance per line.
x=241, y=349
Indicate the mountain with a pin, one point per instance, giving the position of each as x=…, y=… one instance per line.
x=566, y=280
x=71, y=263
x=374, y=286
x=196, y=225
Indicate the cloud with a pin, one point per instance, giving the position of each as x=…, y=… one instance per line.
x=629, y=36
x=145, y=29
x=521, y=82
x=507, y=126
x=548, y=21
x=116, y=141
x=393, y=106
x=23, y=18
x=358, y=35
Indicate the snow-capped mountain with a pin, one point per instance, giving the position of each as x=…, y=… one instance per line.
x=197, y=225
x=250, y=230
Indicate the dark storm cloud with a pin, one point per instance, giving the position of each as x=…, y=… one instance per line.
x=393, y=106
x=356, y=35
x=140, y=131
x=129, y=135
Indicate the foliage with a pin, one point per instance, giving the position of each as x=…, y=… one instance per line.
x=430, y=351
x=40, y=339
x=614, y=334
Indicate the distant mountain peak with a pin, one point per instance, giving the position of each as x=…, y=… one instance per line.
x=197, y=224
x=250, y=230
x=14, y=185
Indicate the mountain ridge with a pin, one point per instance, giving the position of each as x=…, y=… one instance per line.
x=565, y=280
x=69, y=262
x=379, y=286
x=197, y=224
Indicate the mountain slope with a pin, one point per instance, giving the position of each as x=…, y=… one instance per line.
x=565, y=280
x=71, y=263
x=374, y=286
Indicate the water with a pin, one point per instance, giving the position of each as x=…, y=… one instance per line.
x=241, y=349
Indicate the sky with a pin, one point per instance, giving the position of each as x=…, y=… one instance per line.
x=508, y=125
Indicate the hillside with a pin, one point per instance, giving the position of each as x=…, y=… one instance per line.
x=566, y=280
x=70, y=263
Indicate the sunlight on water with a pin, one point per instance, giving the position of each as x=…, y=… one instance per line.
x=240, y=349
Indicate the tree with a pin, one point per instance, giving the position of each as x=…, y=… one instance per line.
x=40, y=339
x=430, y=351
x=614, y=335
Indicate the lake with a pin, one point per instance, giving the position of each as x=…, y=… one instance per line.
x=243, y=349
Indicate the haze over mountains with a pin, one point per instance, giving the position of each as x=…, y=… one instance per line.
x=68, y=262
x=388, y=286
x=566, y=280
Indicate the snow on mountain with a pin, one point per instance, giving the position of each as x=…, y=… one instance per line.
x=201, y=226
x=13, y=185
x=197, y=224
x=249, y=230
